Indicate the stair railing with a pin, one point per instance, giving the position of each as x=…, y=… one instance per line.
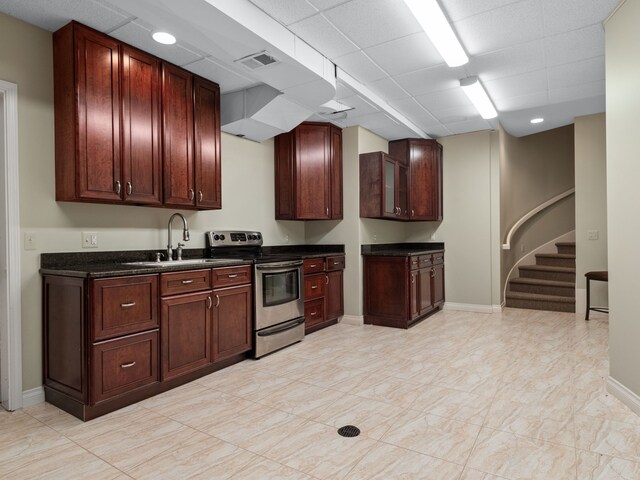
x=507, y=244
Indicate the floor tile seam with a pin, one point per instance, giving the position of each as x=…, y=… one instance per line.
x=21, y=454
x=260, y=456
x=361, y=459
x=606, y=418
x=534, y=439
x=419, y=452
x=615, y=457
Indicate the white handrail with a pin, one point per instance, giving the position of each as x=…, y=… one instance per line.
x=539, y=208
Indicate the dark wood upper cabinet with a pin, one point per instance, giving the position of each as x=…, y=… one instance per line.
x=142, y=171
x=130, y=128
x=177, y=127
x=309, y=173
x=424, y=159
x=383, y=187
x=206, y=113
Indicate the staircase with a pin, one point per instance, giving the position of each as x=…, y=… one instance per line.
x=549, y=284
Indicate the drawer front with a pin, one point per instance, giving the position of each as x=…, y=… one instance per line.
x=425, y=261
x=313, y=265
x=314, y=286
x=125, y=305
x=438, y=258
x=230, y=276
x=335, y=263
x=313, y=312
x=185, y=282
x=123, y=364
x=414, y=263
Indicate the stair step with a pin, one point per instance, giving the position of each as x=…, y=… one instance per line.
x=534, y=301
x=556, y=259
x=542, y=287
x=547, y=272
x=566, y=247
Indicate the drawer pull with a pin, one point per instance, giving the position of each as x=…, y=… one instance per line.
x=187, y=282
x=313, y=265
x=127, y=305
x=313, y=314
x=232, y=275
x=127, y=365
x=336, y=263
x=313, y=287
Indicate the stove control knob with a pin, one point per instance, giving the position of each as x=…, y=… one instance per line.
x=252, y=237
x=216, y=237
x=221, y=237
x=258, y=236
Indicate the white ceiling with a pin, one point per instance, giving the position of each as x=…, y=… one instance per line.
x=535, y=57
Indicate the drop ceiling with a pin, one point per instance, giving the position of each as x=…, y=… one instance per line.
x=535, y=57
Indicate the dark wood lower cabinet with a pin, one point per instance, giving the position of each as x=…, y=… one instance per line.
x=323, y=292
x=232, y=321
x=401, y=290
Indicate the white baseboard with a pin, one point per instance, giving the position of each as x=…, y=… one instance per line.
x=623, y=394
x=470, y=307
x=496, y=308
x=32, y=397
x=352, y=320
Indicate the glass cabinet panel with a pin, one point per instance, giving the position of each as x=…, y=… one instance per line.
x=389, y=187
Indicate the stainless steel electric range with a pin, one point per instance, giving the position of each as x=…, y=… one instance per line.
x=278, y=289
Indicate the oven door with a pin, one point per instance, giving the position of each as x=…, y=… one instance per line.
x=279, y=294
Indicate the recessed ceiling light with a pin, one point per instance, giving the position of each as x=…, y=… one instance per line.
x=537, y=120
x=472, y=87
x=164, y=38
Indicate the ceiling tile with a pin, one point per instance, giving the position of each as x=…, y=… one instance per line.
x=286, y=11
x=575, y=92
x=388, y=89
x=343, y=91
x=417, y=52
x=576, y=73
x=439, y=131
x=53, y=15
x=361, y=106
x=502, y=27
x=371, y=22
x=566, y=15
x=459, y=9
x=383, y=125
x=470, y=125
x=415, y=112
x=223, y=76
x=451, y=102
x=360, y=67
x=139, y=34
x=325, y=4
x=517, y=85
x=531, y=100
x=318, y=32
x=522, y=58
x=432, y=79
x=576, y=45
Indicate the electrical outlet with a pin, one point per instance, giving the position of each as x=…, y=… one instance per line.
x=375, y=237
x=89, y=239
x=593, y=234
x=29, y=241
x=286, y=238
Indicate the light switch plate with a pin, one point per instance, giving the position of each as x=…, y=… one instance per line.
x=593, y=234
x=29, y=241
x=89, y=239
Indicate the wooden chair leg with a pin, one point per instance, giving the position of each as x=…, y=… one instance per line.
x=586, y=317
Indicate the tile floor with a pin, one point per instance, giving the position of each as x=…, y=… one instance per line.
x=461, y=396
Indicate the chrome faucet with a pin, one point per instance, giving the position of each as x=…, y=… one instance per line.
x=185, y=236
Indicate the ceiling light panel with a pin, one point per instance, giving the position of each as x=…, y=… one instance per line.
x=436, y=26
x=472, y=87
x=164, y=38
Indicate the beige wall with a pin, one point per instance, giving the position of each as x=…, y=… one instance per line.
x=591, y=206
x=623, y=194
x=534, y=169
x=247, y=177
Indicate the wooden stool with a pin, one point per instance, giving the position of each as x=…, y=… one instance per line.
x=601, y=277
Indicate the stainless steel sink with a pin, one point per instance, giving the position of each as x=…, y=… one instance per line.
x=189, y=261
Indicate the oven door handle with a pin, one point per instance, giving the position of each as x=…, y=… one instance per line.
x=279, y=265
x=267, y=332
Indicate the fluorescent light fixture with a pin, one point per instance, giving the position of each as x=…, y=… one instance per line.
x=472, y=87
x=537, y=120
x=164, y=38
x=435, y=24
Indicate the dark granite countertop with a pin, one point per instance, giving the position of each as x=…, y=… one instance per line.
x=401, y=249
x=113, y=264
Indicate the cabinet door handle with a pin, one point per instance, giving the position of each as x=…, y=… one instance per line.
x=200, y=195
x=433, y=272
x=313, y=287
x=187, y=282
x=217, y=301
x=192, y=194
x=127, y=305
x=326, y=279
x=127, y=365
x=129, y=188
x=118, y=187
x=232, y=275
x=413, y=212
x=209, y=302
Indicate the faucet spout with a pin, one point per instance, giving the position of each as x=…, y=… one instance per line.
x=185, y=233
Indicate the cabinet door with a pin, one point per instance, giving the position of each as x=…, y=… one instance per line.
x=336, y=173
x=284, y=148
x=313, y=172
x=421, y=164
x=437, y=285
x=334, y=297
x=98, y=176
x=414, y=294
x=177, y=121
x=207, y=144
x=424, y=281
x=140, y=127
x=232, y=320
x=186, y=333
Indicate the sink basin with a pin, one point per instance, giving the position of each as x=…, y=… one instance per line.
x=189, y=261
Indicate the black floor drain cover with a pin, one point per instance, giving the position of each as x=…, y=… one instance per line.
x=349, y=431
